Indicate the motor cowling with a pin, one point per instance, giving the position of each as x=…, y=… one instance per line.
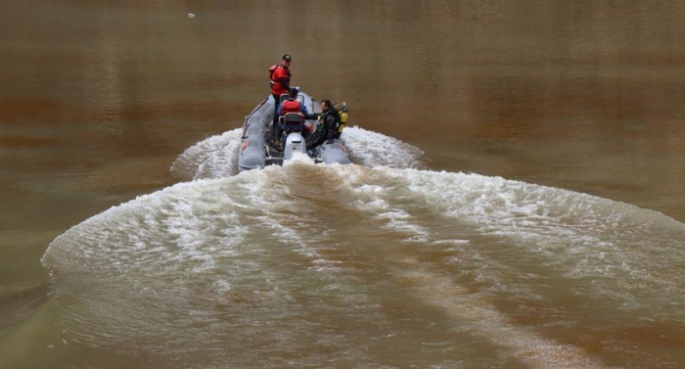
x=294, y=143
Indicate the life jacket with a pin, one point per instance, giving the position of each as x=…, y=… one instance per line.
x=276, y=87
x=290, y=106
x=272, y=69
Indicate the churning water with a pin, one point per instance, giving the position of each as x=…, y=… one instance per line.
x=374, y=264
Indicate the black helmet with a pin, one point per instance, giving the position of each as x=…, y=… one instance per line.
x=293, y=92
x=287, y=57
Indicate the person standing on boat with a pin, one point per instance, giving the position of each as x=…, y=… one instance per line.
x=280, y=81
x=328, y=128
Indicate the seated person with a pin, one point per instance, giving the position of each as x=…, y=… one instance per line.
x=328, y=128
x=293, y=105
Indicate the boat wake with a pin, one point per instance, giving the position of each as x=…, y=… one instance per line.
x=331, y=265
x=214, y=157
x=217, y=156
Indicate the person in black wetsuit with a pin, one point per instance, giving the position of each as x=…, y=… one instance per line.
x=328, y=128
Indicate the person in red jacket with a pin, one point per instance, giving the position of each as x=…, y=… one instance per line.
x=280, y=81
x=292, y=105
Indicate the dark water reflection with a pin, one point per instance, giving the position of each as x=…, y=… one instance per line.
x=97, y=98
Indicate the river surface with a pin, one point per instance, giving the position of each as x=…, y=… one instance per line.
x=517, y=198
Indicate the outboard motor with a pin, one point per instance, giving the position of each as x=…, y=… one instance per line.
x=292, y=130
x=294, y=143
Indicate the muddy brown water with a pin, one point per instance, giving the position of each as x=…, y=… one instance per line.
x=99, y=98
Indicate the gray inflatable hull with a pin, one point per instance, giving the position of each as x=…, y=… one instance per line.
x=252, y=154
x=256, y=154
x=334, y=152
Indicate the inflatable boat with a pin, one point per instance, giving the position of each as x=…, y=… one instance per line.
x=262, y=145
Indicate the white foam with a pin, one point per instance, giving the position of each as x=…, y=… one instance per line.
x=217, y=156
x=299, y=158
x=374, y=149
x=248, y=243
x=214, y=157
